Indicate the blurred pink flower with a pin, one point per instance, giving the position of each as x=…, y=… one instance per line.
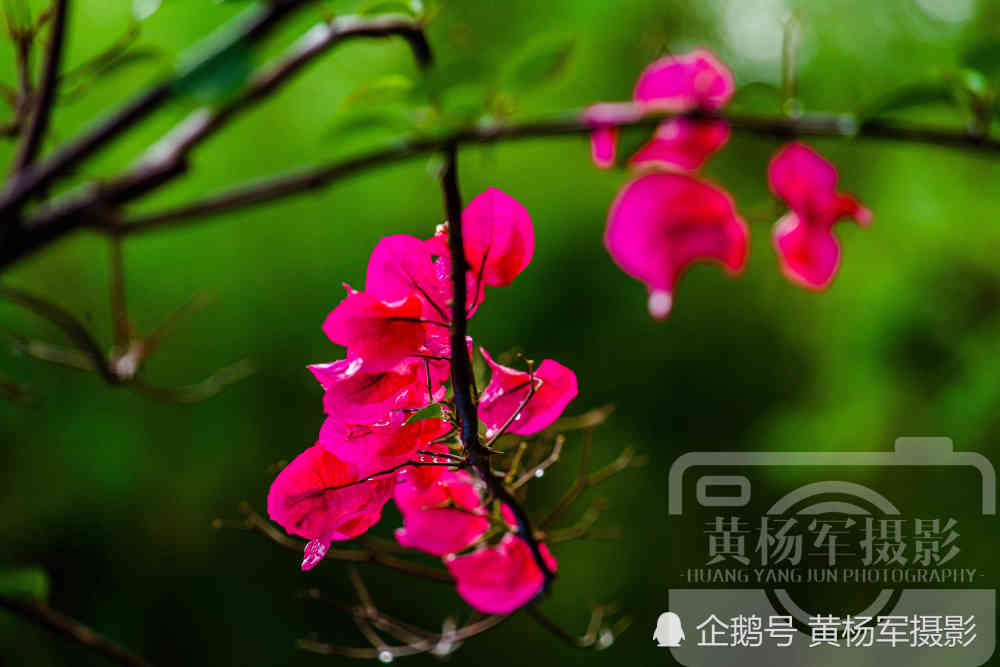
x=661, y=223
x=682, y=144
x=693, y=80
x=808, y=252
x=681, y=83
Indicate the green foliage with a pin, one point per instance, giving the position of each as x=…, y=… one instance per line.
x=432, y=411
x=26, y=583
x=388, y=88
x=379, y=7
x=984, y=57
x=216, y=77
x=757, y=96
x=920, y=94
x=539, y=63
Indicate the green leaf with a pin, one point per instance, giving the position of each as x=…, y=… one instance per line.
x=540, y=63
x=388, y=119
x=26, y=583
x=388, y=88
x=432, y=411
x=757, y=96
x=911, y=96
x=378, y=7
x=216, y=76
x=984, y=57
x=442, y=77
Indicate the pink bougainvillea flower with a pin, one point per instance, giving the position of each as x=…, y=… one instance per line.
x=555, y=387
x=694, y=80
x=681, y=83
x=402, y=265
x=808, y=251
x=376, y=447
x=661, y=223
x=501, y=578
x=309, y=498
x=381, y=333
x=443, y=518
x=603, y=146
x=682, y=144
x=498, y=238
x=604, y=117
x=370, y=397
x=423, y=477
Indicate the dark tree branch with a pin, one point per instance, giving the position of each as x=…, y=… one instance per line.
x=320, y=176
x=167, y=159
x=262, y=19
x=47, y=90
x=61, y=624
x=461, y=367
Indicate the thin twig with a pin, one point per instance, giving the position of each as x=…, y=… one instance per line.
x=369, y=554
x=425, y=646
x=542, y=466
x=247, y=28
x=583, y=482
x=517, y=413
x=65, y=626
x=69, y=323
x=47, y=90
x=120, y=325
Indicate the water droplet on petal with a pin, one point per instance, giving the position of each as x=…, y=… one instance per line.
x=539, y=473
x=314, y=553
x=385, y=657
x=660, y=303
x=606, y=638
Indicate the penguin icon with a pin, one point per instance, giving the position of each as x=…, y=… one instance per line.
x=669, y=632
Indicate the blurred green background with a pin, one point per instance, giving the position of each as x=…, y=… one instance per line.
x=114, y=494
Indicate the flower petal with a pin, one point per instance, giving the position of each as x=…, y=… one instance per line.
x=555, y=387
x=500, y=578
x=498, y=236
x=809, y=255
x=376, y=447
x=682, y=144
x=688, y=81
x=306, y=501
x=661, y=223
x=370, y=397
x=443, y=518
x=401, y=265
x=808, y=252
x=381, y=333
x=603, y=144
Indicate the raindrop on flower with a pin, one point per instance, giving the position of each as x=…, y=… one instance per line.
x=539, y=472
x=606, y=638
x=385, y=657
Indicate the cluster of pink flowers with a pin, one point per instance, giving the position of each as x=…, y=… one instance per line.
x=667, y=217
x=396, y=333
